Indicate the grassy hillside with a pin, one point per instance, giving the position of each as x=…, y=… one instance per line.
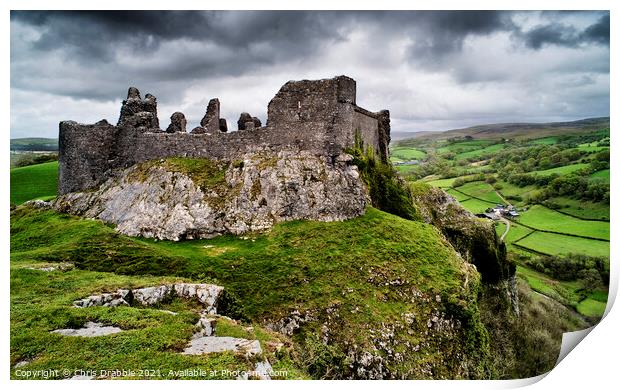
x=256, y=269
x=519, y=130
x=363, y=269
x=34, y=182
x=151, y=339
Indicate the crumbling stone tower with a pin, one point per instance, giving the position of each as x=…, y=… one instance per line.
x=319, y=116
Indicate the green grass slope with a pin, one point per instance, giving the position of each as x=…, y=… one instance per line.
x=149, y=344
x=364, y=269
x=34, y=182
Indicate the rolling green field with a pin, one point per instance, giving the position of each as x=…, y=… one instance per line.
x=557, y=244
x=443, y=183
x=570, y=293
x=582, y=208
x=34, y=182
x=405, y=168
x=463, y=146
x=516, y=233
x=457, y=195
x=539, y=282
x=542, y=218
x=517, y=196
x=602, y=175
x=559, y=222
x=479, y=152
x=563, y=170
x=481, y=190
x=404, y=153
x=545, y=141
x=591, y=308
x=476, y=206
x=591, y=147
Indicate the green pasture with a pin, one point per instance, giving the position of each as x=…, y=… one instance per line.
x=542, y=218
x=482, y=190
x=558, y=244
x=34, y=182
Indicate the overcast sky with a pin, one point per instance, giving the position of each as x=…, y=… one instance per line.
x=432, y=70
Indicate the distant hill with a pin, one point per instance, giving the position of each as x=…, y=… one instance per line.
x=517, y=130
x=35, y=144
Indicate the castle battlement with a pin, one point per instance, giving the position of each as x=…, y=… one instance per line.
x=317, y=116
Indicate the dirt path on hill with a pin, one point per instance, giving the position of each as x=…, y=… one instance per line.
x=503, y=199
x=507, y=223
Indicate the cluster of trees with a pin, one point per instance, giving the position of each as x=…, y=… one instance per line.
x=592, y=271
x=573, y=140
x=463, y=180
x=33, y=158
x=388, y=192
x=528, y=159
x=575, y=185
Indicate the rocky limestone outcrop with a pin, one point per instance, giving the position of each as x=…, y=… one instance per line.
x=207, y=294
x=473, y=238
x=157, y=199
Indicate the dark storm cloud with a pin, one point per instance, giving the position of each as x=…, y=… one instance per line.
x=563, y=35
x=94, y=33
x=226, y=43
x=423, y=64
x=445, y=32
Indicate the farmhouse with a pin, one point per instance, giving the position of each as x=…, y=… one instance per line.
x=499, y=211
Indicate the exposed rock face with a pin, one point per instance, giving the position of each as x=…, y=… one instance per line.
x=211, y=120
x=90, y=329
x=137, y=112
x=157, y=200
x=207, y=294
x=211, y=344
x=177, y=123
x=473, y=238
x=38, y=204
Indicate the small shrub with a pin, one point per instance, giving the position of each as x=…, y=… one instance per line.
x=388, y=192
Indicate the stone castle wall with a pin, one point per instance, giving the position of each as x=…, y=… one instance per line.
x=316, y=116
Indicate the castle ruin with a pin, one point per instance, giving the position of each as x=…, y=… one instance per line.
x=316, y=116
